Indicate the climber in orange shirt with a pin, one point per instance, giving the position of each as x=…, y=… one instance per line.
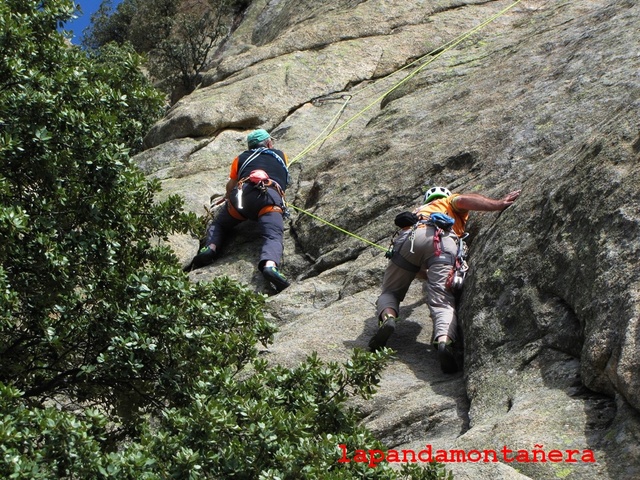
x=430, y=240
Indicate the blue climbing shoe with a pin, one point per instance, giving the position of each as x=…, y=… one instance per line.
x=275, y=278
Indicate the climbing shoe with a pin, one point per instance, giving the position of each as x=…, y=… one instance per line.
x=205, y=257
x=447, y=360
x=275, y=278
x=386, y=329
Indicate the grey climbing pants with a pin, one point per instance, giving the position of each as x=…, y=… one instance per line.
x=403, y=268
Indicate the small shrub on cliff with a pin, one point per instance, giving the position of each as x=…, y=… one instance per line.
x=112, y=363
x=177, y=36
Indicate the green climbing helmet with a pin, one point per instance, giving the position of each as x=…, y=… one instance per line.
x=436, y=192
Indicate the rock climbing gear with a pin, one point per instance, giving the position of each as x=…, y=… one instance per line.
x=260, y=180
x=338, y=228
x=441, y=222
x=428, y=58
x=458, y=273
x=268, y=151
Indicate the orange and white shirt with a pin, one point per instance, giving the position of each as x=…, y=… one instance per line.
x=448, y=206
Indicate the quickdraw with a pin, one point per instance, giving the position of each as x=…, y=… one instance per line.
x=458, y=273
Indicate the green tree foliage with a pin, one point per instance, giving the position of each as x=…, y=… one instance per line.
x=112, y=363
x=178, y=36
x=109, y=24
x=77, y=218
x=180, y=58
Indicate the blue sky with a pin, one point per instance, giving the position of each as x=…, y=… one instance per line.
x=79, y=24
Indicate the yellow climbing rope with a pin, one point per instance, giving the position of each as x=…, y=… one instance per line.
x=321, y=138
x=434, y=54
x=337, y=227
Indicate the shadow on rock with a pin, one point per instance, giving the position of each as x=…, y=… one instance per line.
x=415, y=400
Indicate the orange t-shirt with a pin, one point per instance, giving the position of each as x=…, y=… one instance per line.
x=448, y=206
x=233, y=173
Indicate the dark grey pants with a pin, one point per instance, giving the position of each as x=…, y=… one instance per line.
x=271, y=224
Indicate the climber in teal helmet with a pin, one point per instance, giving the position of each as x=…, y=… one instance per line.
x=430, y=239
x=254, y=191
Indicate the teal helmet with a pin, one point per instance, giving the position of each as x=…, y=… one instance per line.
x=436, y=192
x=257, y=136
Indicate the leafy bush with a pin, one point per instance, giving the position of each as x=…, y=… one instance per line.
x=112, y=363
x=45, y=443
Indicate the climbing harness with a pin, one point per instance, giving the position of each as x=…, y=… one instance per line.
x=264, y=210
x=442, y=224
x=260, y=180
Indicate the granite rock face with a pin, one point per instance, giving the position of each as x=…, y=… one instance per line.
x=373, y=101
